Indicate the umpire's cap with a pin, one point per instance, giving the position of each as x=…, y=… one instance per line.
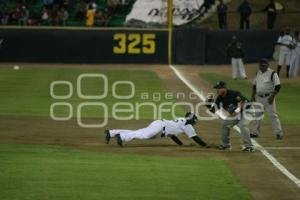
x=264, y=62
x=219, y=85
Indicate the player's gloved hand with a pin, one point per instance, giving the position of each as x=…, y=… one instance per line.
x=271, y=99
x=231, y=108
x=210, y=98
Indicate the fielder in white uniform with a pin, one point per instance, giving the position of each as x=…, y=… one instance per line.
x=158, y=129
x=266, y=86
x=285, y=43
x=295, y=56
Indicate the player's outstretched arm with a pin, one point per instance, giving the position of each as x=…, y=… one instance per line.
x=199, y=141
x=176, y=140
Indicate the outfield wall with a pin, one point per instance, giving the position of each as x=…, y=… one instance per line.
x=121, y=45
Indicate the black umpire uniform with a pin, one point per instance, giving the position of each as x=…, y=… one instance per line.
x=231, y=101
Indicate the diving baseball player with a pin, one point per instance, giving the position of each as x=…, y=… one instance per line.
x=266, y=86
x=157, y=129
x=285, y=43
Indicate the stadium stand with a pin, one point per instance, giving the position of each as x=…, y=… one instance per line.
x=63, y=12
x=114, y=13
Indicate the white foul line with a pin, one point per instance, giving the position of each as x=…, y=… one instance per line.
x=283, y=148
x=271, y=158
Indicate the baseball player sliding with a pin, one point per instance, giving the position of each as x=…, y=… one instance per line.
x=158, y=129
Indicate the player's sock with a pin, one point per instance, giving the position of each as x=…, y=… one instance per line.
x=278, y=69
x=287, y=70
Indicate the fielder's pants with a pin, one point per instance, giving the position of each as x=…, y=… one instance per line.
x=271, y=110
x=150, y=132
x=242, y=124
x=237, y=64
x=294, y=65
x=284, y=58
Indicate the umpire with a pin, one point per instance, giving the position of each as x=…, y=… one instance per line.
x=266, y=86
x=233, y=102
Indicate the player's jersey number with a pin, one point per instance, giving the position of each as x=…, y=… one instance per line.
x=134, y=43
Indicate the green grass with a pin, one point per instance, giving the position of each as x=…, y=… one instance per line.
x=50, y=172
x=27, y=91
x=287, y=100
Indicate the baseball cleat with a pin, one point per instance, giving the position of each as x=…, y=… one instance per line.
x=252, y=135
x=107, y=136
x=248, y=149
x=279, y=137
x=119, y=140
x=222, y=147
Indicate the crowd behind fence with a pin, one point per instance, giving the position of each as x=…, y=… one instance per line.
x=101, y=13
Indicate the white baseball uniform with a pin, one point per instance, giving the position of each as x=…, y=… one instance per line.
x=157, y=128
x=285, y=52
x=265, y=85
x=295, y=59
x=237, y=64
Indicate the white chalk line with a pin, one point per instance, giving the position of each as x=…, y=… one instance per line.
x=283, y=148
x=270, y=157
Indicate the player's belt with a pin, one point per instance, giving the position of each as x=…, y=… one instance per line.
x=264, y=95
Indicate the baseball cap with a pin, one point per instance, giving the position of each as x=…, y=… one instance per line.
x=220, y=84
x=264, y=62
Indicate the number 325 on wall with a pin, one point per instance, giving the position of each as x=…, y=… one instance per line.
x=134, y=43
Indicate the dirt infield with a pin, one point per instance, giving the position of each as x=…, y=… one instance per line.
x=254, y=171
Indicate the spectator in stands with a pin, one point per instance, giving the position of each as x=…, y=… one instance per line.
x=222, y=14
x=236, y=53
x=54, y=15
x=24, y=16
x=63, y=16
x=102, y=18
x=16, y=15
x=245, y=12
x=93, y=4
x=81, y=11
x=271, y=14
x=99, y=18
x=112, y=5
x=45, y=17
x=90, y=16
x=33, y=18
x=4, y=16
x=107, y=16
